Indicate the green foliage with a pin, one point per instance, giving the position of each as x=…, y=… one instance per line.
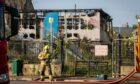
x=82, y=71
x=68, y=70
x=90, y=26
x=135, y=26
x=123, y=44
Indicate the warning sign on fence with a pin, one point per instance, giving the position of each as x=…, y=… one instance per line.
x=101, y=50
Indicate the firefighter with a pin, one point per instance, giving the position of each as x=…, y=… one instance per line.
x=44, y=58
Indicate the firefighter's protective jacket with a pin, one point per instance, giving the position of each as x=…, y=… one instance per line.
x=44, y=57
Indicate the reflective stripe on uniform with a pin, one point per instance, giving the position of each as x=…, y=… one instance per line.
x=43, y=55
x=43, y=62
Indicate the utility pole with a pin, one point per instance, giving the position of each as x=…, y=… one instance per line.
x=51, y=33
x=61, y=36
x=75, y=41
x=66, y=40
x=119, y=55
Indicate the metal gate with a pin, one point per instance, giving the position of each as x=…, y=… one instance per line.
x=123, y=55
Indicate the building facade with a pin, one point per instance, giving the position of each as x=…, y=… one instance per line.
x=27, y=24
x=93, y=24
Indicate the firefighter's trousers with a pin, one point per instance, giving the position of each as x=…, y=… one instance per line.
x=42, y=71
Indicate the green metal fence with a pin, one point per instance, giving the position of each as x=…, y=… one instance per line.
x=78, y=57
x=25, y=50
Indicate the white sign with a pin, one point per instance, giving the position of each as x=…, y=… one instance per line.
x=101, y=50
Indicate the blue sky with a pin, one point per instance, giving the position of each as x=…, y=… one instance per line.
x=122, y=11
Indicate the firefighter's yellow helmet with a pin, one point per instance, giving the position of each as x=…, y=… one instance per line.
x=46, y=47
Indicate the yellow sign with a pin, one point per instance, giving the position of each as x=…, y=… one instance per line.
x=50, y=20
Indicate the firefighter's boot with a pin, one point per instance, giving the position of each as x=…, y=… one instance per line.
x=50, y=77
x=42, y=78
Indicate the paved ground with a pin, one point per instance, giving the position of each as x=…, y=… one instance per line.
x=29, y=80
x=19, y=82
